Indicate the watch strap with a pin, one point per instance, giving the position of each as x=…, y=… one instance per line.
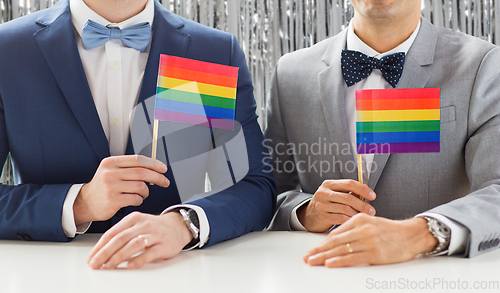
x=191, y=220
x=442, y=233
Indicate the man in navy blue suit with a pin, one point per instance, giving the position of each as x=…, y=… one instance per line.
x=64, y=106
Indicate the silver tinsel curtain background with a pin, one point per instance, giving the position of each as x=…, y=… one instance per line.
x=267, y=29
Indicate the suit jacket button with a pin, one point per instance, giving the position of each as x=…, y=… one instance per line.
x=19, y=236
x=26, y=237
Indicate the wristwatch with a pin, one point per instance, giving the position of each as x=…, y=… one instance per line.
x=191, y=219
x=442, y=233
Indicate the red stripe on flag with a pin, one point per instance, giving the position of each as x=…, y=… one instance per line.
x=201, y=66
x=398, y=94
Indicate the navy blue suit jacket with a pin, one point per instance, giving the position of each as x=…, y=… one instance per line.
x=50, y=125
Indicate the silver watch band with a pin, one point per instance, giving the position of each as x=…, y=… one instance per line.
x=442, y=233
x=189, y=223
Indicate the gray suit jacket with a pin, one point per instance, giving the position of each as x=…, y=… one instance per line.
x=308, y=139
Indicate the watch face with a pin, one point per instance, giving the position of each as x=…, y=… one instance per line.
x=193, y=216
x=441, y=230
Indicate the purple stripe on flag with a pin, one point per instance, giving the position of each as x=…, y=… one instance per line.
x=194, y=119
x=395, y=148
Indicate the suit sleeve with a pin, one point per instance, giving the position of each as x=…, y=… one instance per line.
x=283, y=163
x=249, y=204
x=29, y=211
x=479, y=211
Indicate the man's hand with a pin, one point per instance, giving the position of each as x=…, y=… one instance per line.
x=372, y=240
x=118, y=182
x=335, y=202
x=164, y=235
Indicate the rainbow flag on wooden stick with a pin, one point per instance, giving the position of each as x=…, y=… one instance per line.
x=196, y=92
x=397, y=121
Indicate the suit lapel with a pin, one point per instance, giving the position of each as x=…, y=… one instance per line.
x=331, y=85
x=57, y=44
x=420, y=55
x=167, y=38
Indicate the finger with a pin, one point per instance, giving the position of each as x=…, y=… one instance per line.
x=348, y=260
x=131, y=199
x=336, y=219
x=343, y=249
x=144, y=175
x=150, y=255
x=121, y=226
x=333, y=241
x=351, y=200
x=348, y=185
x=112, y=246
x=134, y=187
x=139, y=161
x=342, y=209
x=133, y=246
x=356, y=221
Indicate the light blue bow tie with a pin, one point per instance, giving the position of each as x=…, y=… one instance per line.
x=136, y=36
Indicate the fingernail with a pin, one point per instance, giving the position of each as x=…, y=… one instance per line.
x=131, y=266
x=312, y=257
x=329, y=261
x=372, y=212
x=93, y=264
x=372, y=194
x=164, y=167
x=167, y=182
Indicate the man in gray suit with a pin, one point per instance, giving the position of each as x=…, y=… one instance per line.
x=427, y=203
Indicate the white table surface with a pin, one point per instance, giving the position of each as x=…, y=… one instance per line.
x=257, y=262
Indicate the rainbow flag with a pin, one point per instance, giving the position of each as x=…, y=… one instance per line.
x=196, y=92
x=397, y=121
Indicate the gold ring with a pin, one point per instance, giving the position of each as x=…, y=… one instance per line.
x=145, y=241
x=349, y=248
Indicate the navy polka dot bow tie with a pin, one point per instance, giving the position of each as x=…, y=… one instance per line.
x=356, y=66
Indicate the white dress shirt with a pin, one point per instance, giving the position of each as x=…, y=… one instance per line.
x=114, y=73
x=376, y=81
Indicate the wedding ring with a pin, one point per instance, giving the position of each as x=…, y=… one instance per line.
x=145, y=241
x=349, y=248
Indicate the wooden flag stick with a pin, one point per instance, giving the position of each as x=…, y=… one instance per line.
x=155, y=140
x=360, y=172
x=360, y=169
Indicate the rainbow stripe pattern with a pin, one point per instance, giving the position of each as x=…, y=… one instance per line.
x=196, y=92
x=397, y=121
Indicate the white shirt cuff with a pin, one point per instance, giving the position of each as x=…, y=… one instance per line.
x=68, y=216
x=295, y=224
x=202, y=218
x=459, y=233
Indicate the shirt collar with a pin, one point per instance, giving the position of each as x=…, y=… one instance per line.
x=81, y=13
x=356, y=44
